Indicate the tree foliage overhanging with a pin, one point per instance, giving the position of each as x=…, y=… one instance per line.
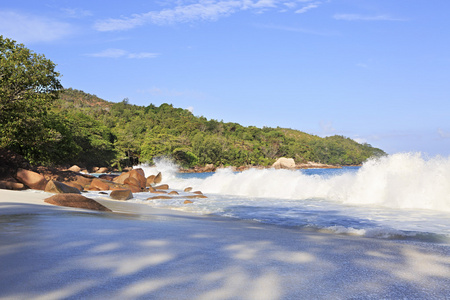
x=76, y=127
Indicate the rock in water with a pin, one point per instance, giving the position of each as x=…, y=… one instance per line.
x=75, y=168
x=81, y=180
x=77, y=201
x=284, y=163
x=162, y=187
x=57, y=187
x=132, y=181
x=121, y=194
x=75, y=185
x=150, y=180
x=102, y=170
x=121, y=178
x=196, y=197
x=31, y=179
x=99, y=184
x=159, y=197
x=158, y=178
x=209, y=168
x=9, y=185
x=139, y=175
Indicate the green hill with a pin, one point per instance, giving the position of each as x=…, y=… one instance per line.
x=125, y=134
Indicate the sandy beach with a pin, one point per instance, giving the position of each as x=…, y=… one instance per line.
x=49, y=252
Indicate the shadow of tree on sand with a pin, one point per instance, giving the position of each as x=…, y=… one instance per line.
x=78, y=255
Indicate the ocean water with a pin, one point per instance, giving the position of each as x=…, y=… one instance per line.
x=401, y=196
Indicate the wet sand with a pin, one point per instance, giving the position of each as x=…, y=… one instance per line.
x=50, y=252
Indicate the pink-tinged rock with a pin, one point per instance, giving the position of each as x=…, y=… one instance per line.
x=75, y=168
x=196, y=197
x=99, y=184
x=284, y=163
x=121, y=194
x=162, y=187
x=81, y=180
x=31, y=179
x=102, y=170
x=158, y=178
x=77, y=201
x=57, y=187
x=121, y=178
x=150, y=180
x=132, y=181
x=139, y=175
x=159, y=197
x=75, y=185
x=8, y=185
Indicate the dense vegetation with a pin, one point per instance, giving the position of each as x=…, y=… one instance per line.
x=143, y=133
x=28, y=86
x=80, y=128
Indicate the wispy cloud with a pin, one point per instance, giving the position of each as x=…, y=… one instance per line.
x=297, y=29
x=77, y=12
x=201, y=10
x=30, y=28
x=362, y=65
x=327, y=128
x=359, y=17
x=443, y=134
x=307, y=7
x=120, y=53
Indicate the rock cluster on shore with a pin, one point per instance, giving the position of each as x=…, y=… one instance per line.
x=69, y=184
x=17, y=174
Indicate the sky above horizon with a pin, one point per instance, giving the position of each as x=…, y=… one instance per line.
x=376, y=71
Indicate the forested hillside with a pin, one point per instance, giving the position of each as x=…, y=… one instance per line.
x=124, y=134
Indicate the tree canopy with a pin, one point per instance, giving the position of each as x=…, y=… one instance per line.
x=142, y=133
x=29, y=85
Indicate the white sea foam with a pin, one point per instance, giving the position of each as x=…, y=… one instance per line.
x=164, y=165
x=406, y=180
x=398, y=195
x=402, y=181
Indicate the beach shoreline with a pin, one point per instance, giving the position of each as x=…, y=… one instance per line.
x=53, y=252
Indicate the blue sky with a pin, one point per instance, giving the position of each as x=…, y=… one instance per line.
x=377, y=71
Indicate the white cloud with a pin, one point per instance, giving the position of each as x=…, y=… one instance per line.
x=29, y=28
x=77, y=12
x=142, y=55
x=201, y=10
x=307, y=7
x=118, y=53
x=358, y=17
x=191, y=109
